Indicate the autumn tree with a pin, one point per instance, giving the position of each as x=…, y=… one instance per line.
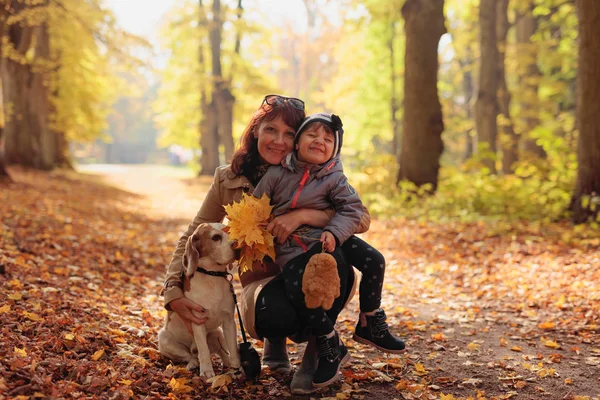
x=4, y=175
x=486, y=105
x=509, y=140
x=24, y=69
x=59, y=71
x=209, y=122
x=586, y=197
x=529, y=78
x=422, y=143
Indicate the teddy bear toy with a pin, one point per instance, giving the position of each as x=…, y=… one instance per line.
x=321, y=282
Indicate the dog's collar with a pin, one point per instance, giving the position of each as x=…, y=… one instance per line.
x=213, y=273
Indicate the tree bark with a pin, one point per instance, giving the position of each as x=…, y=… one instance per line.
x=222, y=96
x=509, y=140
x=588, y=110
x=4, y=175
x=529, y=78
x=468, y=88
x=209, y=140
x=397, y=136
x=422, y=144
x=486, y=105
x=28, y=138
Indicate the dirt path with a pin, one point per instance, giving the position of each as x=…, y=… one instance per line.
x=488, y=311
x=470, y=330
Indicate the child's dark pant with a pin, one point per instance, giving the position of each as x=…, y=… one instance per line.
x=319, y=320
x=371, y=263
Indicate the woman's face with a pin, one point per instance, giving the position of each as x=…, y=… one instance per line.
x=275, y=140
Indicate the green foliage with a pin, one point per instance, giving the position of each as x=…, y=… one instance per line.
x=533, y=193
x=182, y=80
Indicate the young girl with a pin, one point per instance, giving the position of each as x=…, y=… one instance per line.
x=312, y=177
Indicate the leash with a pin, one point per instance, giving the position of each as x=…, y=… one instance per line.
x=229, y=277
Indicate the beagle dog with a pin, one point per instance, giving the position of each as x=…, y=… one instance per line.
x=208, y=254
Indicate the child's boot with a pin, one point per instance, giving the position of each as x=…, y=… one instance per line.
x=372, y=329
x=332, y=354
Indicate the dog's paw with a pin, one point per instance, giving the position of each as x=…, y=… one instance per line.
x=207, y=373
x=192, y=364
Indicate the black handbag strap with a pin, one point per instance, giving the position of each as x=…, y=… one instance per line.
x=230, y=279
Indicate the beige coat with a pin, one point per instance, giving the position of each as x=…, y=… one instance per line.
x=226, y=189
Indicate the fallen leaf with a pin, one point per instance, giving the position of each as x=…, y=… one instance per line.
x=98, y=354
x=219, y=381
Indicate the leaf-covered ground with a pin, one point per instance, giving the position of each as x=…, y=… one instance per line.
x=489, y=311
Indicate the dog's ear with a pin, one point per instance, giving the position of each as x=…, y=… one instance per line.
x=191, y=256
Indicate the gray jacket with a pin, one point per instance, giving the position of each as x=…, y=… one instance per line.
x=295, y=184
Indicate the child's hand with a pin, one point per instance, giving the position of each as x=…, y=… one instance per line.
x=328, y=241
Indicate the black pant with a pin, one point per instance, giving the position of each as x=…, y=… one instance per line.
x=276, y=315
x=371, y=263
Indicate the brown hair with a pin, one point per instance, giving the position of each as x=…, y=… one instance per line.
x=246, y=159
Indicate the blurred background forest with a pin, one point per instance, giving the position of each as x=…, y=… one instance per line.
x=492, y=106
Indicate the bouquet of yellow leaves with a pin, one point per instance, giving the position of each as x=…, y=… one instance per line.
x=248, y=220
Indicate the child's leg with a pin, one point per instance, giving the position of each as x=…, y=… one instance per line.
x=331, y=351
x=371, y=263
x=292, y=273
x=372, y=328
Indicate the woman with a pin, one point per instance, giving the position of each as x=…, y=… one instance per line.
x=267, y=139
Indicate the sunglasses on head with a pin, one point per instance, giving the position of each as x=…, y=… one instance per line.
x=275, y=100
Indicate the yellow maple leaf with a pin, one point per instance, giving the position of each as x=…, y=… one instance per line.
x=20, y=352
x=550, y=343
x=446, y=397
x=473, y=346
x=420, y=369
x=219, y=381
x=15, y=296
x=180, y=385
x=4, y=309
x=438, y=337
x=546, y=325
x=98, y=354
x=247, y=223
x=32, y=316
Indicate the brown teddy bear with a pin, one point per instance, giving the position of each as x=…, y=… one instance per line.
x=321, y=282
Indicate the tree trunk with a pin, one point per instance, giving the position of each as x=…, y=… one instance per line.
x=397, y=136
x=508, y=138
x=422, y=144
x=529, y=79
x=222, y=96
x=28, y=138
x=486, y=105
x=209, y=140
x=4, y=175
x=468, y=88
x=588, y=110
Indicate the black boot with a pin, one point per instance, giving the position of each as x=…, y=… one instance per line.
x=332, y=354
x=374, y=331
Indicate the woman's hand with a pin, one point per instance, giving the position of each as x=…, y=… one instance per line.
x=328, y=241
x=284, y=225
x=188, y=311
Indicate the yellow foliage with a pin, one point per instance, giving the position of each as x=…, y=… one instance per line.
x=180, y=385
x=247, y=225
